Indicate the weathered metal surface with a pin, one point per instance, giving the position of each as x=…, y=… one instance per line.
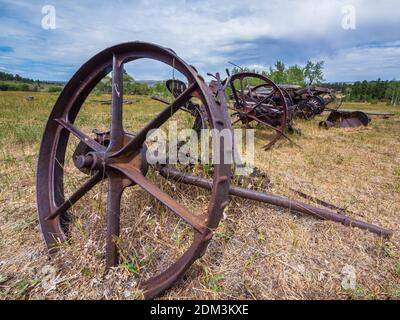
x=345, y=119
x=305, y=103
x=280, y=201
x=309, y=101
x=265, y=104
x=120, y=161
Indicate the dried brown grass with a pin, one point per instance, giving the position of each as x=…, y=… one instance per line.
x=258, y=252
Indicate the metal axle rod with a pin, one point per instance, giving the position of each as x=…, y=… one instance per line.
x=280, y=201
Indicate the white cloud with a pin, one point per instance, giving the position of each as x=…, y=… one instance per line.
x=205, y=33
x=257, y=67
x=363, y=63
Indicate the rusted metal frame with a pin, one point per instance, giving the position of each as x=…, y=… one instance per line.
x=283, y=122
x=259, y=103
x=235, y=96
x=269, y=126
x=285, y=93
x=282, y=88
x=280, y=201
x=224, y=83
x=256, y=119
x=267, y=95
x=220, y=94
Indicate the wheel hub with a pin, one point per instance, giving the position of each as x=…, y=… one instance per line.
x=87, y=160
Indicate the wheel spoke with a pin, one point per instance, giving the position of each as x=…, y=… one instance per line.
x=137, y=177
x=279, y=131
x=247, y=115
x=136, y=143
x=78, y=194
x=91, y=143
x=116, y=130
x=115, y=189
x=260, y=102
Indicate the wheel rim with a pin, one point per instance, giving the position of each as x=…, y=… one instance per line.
x=242, y=99
x=121, y=160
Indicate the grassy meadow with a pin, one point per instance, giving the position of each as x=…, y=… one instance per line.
x=258, y=252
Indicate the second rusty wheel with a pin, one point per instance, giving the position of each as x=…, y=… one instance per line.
x=119, y=159
x=258, y=99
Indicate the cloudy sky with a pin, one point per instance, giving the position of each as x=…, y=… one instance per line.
x=206, y=34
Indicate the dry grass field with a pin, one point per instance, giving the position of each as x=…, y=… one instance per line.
x=258, y=252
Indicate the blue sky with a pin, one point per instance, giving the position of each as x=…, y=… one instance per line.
x=206, y=34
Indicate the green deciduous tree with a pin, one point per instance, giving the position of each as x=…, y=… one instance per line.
x=295, y=75
x=278, y=73
x=313, y=72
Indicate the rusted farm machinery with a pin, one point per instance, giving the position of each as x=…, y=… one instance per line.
x=118, y=158
x=350, y=118
x=304, y=103
x=309, y=101
x=344, y=119
x=264, y=104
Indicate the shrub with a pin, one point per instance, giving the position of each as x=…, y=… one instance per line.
x=24, y=87
x=54, y=89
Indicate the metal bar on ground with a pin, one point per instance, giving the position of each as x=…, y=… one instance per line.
x=280, y=201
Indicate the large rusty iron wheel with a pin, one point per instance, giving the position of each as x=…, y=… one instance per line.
x=269, y=109
x=121, y=161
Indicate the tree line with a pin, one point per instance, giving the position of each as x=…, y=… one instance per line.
x=131, y=86
x=14, y=82
x=4, y=76
x=369, y=91
x=311, y=73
